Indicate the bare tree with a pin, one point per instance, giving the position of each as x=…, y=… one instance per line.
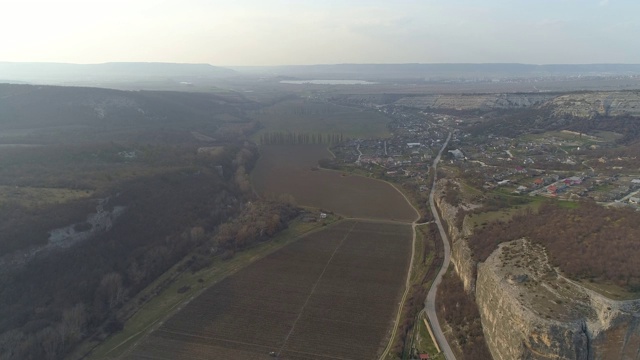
x=51, y=343
x=74, y=319
x=9, y=342
x=111, y=291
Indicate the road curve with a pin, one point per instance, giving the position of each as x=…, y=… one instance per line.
x=430, y=303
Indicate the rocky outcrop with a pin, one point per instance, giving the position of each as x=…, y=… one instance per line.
x=461, y=256
x=581, y=105
x=100, y=221
x=530, y=311
x=475, y=101
x=587, y=105
x=513, y=328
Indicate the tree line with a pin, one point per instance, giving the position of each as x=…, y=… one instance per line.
x=587, y=242
x=460, y=311
x=56, y=301
x=299, y=138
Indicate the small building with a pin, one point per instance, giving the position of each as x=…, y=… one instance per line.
x=412, y=145
x=574, y=180
x=457, y=154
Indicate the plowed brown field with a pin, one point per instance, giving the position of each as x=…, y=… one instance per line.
x=331, y=295
x=289, y=169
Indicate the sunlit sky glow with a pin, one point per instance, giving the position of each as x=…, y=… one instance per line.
x=278, y=32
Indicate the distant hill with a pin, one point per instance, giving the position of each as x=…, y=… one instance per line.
x=57, y=73
x=65, y=114
x=442, y=71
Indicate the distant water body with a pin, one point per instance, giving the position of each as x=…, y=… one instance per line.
x=328, y=82
x=18, y=145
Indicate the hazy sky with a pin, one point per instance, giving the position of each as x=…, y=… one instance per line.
x=273, y=32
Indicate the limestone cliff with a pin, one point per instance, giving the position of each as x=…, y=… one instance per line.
x=582, y=105
x=460, y=251
x=475, y=101
x=531, y=311
x=587, y=105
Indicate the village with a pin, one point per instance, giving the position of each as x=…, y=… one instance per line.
x=565, y=165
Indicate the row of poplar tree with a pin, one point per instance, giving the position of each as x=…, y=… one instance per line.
x=293, y=138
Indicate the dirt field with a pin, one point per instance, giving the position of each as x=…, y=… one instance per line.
x=330, y=295
x=288, y=169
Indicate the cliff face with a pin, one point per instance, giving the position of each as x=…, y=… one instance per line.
x=514, y=330
x=460, y=250
x=587, y=105
x=530, y=311
x=475, y=101
x=583, y=105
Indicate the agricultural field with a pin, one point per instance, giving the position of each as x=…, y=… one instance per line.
x=292, y=169
x=331, y=295
x=321, y=117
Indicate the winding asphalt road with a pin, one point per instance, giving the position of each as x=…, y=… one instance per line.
x=430, y=303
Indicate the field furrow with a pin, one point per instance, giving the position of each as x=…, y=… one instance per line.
x=330, y=295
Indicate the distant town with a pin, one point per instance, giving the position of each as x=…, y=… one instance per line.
x=557, y=164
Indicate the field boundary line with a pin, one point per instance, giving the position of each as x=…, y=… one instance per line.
x=386, y=182
x=407, y=285
x=414, y=225
x=380, y=221
x=147, y=330
x=322, y=355
x=213, y=338
x=330, y=152
x=433, y=338
x=313, y=289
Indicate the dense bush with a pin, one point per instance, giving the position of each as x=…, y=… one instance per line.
x=167, y=216
x=585, y=242
x=460, y=311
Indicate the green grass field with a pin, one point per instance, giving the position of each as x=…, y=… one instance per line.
x=321, y=117
x=424, y=343
x=574, y=139
x=39, y=196
x=505, y=214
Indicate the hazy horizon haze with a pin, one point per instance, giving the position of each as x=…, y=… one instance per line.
x=305, y=32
